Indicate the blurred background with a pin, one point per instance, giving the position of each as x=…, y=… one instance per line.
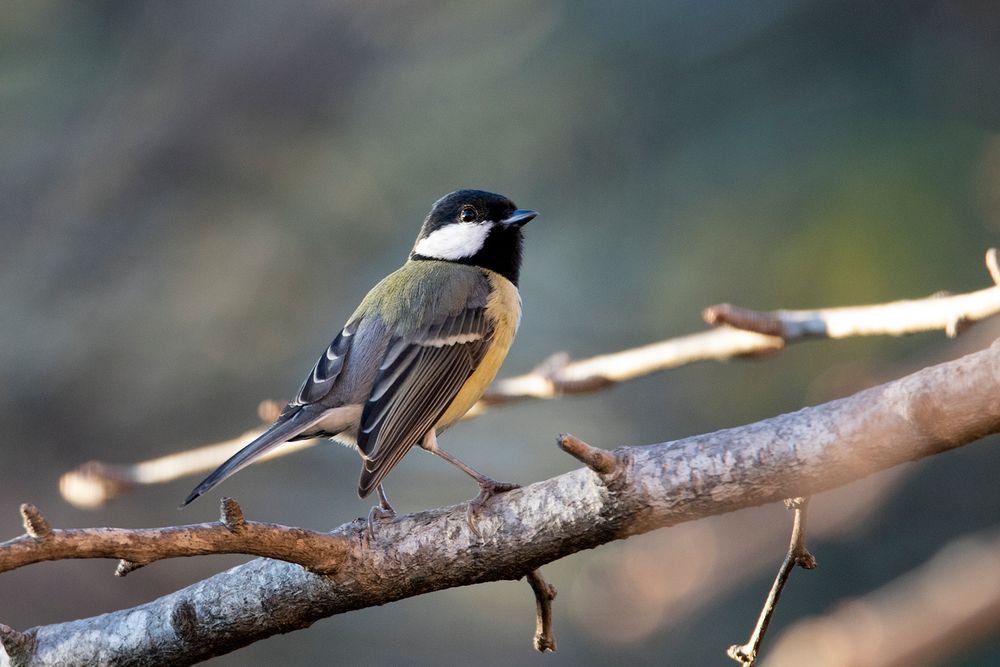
x=194, y=196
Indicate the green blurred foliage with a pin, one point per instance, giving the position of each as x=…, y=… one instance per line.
x=193, y=196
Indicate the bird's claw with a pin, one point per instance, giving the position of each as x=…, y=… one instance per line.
x=377, y=514
x=487, y=489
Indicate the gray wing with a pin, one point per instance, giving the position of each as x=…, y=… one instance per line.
x=321, y=380
x=417, y=380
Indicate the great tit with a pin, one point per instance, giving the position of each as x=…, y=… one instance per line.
x=418, y=352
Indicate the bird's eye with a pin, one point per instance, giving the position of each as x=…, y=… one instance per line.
x=468, y=214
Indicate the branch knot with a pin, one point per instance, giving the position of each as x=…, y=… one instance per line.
x=184, y=620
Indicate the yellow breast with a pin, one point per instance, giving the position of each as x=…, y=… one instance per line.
x=504, y=310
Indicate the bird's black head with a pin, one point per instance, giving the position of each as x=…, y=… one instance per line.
x=476, y=228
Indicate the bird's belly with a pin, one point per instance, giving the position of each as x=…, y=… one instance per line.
x=504, y=308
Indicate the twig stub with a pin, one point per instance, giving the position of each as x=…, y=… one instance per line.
x=545, y=593
x=765, y=323
x=127, y=566
x=231, y=515
x=600, y=461
x=35, y=524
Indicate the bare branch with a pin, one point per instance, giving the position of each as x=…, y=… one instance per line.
x=318, y=552
x=924, y=617
x=589, y=375
x=94, y=483
x=951, y=313
x=746, y=654
x=797, y=454
x=749, y=333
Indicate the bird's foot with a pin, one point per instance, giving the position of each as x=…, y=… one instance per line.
x=487, y=489
x=376, y=515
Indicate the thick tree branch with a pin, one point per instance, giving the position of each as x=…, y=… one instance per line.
x=797, y=454
x=746, y=333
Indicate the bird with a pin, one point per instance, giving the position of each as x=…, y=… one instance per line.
x=417, y=353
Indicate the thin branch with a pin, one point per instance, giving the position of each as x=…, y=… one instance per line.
x=232, y=534
x=924, y=617
x=94, y=483
x=802, y=453
x=949, y=312
x=673, y=575
x=559, y=376
x=749, y=333
x=746, y=654
x=545, y=593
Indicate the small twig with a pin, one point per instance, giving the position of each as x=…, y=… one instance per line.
x=95, y=483
x=926, y=616
x=559, y=376
x=135, y=548
x=952, y=313
x=797, y=555
x=545, y=593
x=599, y=460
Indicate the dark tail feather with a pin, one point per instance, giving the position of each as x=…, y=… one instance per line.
x=277, y=434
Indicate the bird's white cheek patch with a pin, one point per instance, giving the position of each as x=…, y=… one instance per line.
x=454, y=241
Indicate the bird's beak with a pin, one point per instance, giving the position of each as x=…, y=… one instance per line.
x=519, y=217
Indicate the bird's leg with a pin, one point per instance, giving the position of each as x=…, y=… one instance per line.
x=488, y=487
x=379, y=512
